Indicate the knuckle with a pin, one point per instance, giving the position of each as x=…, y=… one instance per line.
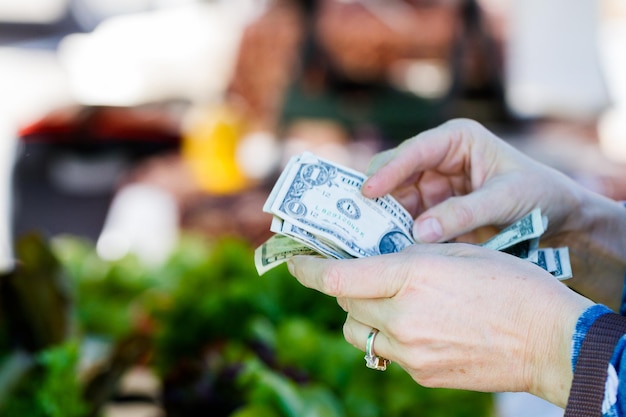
x=423, y=373
x=463, y=214
x=461, y=123
x=427, y=380
x=332, y=281
x=467, y=130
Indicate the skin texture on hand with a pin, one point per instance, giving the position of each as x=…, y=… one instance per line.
x=457, y=316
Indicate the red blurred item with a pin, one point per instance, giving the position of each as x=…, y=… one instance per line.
x=101, y=124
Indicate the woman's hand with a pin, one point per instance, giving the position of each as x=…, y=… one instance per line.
x=459, y=178
x=457, y=315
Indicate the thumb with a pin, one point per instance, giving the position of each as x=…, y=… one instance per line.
x=354, y=278
x=490, y=205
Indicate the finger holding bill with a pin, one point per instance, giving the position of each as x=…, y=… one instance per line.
x=348, y=278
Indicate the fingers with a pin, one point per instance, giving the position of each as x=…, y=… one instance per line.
x=491, y=205
x=428, y=150
x=353, y=278
x=458, y=182
x=356, y=333
x=379, y=160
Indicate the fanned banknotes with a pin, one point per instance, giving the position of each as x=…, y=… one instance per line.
x=319, y=204
x=521, y=239
x=318, y=209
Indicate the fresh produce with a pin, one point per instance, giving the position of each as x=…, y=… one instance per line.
x=222, y=340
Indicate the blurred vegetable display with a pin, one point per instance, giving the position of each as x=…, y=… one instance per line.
x=38, y=356
x=221, y=340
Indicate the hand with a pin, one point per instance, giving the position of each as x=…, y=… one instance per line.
x=459, y=178
x=457, y=316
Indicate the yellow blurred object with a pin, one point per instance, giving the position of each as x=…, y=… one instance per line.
x=210, y=140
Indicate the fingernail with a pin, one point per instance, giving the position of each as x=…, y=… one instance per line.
x=365, y=185
x=428, y=230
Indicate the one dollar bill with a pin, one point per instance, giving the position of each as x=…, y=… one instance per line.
x=325, y=199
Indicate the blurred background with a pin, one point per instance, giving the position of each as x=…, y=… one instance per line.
x=139, y=140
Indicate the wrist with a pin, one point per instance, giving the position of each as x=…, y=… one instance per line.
x=594, y=230
x=552, y=361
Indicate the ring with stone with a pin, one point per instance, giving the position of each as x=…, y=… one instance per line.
x=371, y=360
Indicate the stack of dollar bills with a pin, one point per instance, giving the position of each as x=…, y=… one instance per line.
x=318, y=209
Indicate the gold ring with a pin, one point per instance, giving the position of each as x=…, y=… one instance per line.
x=371, y=360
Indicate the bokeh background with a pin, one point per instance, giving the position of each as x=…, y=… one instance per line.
x=140, y=138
